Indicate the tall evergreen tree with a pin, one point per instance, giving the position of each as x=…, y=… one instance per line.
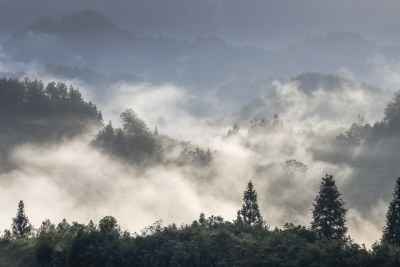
x=391, y=232
x=329, y=214
x=250, y=212
x=21, y=227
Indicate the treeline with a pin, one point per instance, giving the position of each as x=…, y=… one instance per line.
x=32, y=99
x=136, y=144
x=362, y=132
x=212, y=241
x=32, y=111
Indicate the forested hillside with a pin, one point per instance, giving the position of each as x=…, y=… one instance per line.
x=53, y=113
x=38, y=112
x=212, y=241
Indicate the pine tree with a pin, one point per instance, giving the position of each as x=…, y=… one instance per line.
x=21, y=228
x=329, y=214
x=391, y=232
x=250, y=212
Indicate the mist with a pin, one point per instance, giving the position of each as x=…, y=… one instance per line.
x=82, y=183
x=279, y=93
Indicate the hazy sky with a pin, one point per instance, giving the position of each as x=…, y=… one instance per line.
x=252, y=21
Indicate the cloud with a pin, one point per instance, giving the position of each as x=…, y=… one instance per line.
x=384, y=71
x=72, y=180
x=321, y=108
x=170, y=107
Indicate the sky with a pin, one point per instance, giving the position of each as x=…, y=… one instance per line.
x=267, y=23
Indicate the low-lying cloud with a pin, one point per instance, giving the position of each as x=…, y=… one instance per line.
x=73, y=180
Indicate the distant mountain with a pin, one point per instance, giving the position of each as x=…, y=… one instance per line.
x=310, y=82
x=274, y=102
x=88, y=40
x=83, y=22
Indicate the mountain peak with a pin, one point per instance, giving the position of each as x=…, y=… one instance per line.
x=87, y=21
x=84, y=22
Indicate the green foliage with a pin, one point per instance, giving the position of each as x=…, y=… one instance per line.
x=198, y=157
x=34, y=100
x=132, y=124
x=385, y=254
x=391, y=232
x=208, y=241
x=45, y=241
x=32, y=111
x=329, y=219
x=134, y=142
x=18, y=252
x=250, y=212
x=21, y=227
x=392, y=113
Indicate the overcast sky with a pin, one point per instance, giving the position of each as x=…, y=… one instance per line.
x=252, y=21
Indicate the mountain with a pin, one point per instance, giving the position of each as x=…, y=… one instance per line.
x=91, y=41
x=305, y=92
x=310, y=82
x=86, y=22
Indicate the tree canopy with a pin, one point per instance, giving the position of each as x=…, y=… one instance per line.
x=391, y=232
x=21, y=227
x=329, y=214
x=134, y=142
x=250, y=213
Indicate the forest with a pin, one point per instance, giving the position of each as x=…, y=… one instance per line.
x=208, y=241
x=212, y=241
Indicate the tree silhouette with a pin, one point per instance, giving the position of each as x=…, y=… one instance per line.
x=250, y=212
x=21, y=228
x=329, y=213
x=392, y=113
x=132, y=124
x=391, y=232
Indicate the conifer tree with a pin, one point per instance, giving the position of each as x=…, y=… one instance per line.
x=329, y=214
x=250, y=212
x=21, y=227
x=391, y=232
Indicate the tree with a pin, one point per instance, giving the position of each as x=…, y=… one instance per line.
x=108, y=226
x=392, y=112
x=250, y=212
x=329, y=214
x=21, y=227
x=45, y=243
x=391, y=232
x=132, y=124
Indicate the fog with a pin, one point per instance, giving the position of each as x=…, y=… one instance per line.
x=75, y=181
x=262, y=22
x=323, y=68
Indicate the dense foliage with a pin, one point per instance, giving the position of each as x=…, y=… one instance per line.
x=21, y=227
x=391, y=232
x=208, y=241
x=250, y=213
x=35, y=112
x=329, y=214
x=32, y=108
x=134, y=142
